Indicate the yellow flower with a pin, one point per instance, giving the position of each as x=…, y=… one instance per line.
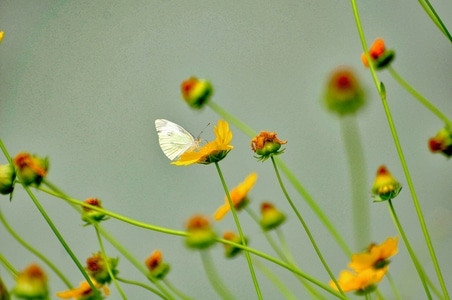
x=211, y=152
x=375, y=257
x=361, y=282
x=385, y=186
x=238, y=196
x=83, y=292
x=2, y=34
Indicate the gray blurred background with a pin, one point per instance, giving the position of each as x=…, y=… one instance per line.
x=83, y=81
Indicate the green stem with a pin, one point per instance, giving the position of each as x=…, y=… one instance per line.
x=424, y=101
x=381, y=91
x=290, y=176
x=9, y=267
x=435, y=18
x=107, y=265
x=305, y=226
x=175, y=290
x=275, y=280
x=138, y=265
x=214, y=278
x=34, y=251
x=239, y=229
x=145, y=286
x=416, y=263
x=393, y=286
x=358, y=181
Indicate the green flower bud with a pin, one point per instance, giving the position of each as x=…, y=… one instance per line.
x=196, y=92
x=7, y=178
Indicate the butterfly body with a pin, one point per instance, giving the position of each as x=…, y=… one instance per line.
x=174, y=140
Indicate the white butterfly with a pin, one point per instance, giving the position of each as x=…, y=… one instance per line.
x=174, y=140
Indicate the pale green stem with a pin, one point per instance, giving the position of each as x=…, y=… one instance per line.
x=305, y=226
x=145, y=286
x=358, y=180
x=290, y=176
x=416, y=263
x=285, y=265
x=435, y=18
x=175, y=290
x=9, y=267
x=275, y=280
x=239, y=229
x=107, y=265
x=393, y=286
x=424, y=101
x=381, y=91
x=138, y=265
x=214, y=278
x=34, y=251
x=284, y=254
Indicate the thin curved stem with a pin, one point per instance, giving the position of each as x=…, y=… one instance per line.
x=239, y=229
x=305, y=226
x=213, y=276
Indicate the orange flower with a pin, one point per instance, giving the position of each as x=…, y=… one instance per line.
x=266, y=144
x=375, y=257
x=442, y=142
x=213, y=151
x=89, y=215
x=83, y=292
x=31, y=169
x=156, y=266
x=378, y=54
x=200, y=233
x=31, y=283
x=238, y=197
x=196, y=92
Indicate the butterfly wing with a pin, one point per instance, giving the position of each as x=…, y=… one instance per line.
x=174, y=140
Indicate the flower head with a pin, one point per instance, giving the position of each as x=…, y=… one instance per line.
x=379, y=55
x=83, y=292
x=266, y=144
x=344, y=94
x=7, y=179
x=156, y=266
x=196, y=92
x=271, y=217
x=385, y=186
x=31, y=283
x=375, y=257
x=200, y=233
x=211, y=152
x=239, y=197
x=362, y=282
x=89, y=215
x=231, y=251
x=442, y=142
x=98, y=267
x=2, y=34
x=31, y=169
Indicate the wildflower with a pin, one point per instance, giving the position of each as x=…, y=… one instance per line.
x=271, y=217
x=375, y=257
x=7, y=179
x=442, y=142
x=231, y=250
x=239, y=197
x=156, y=266
x=30, y=169
x=2, y=34
x=200, y=233
x=89, y=214
x=31, y=283
x=211, y=152
x=196, y=92
x=344, y=94
x=385, y=186
x=266, y=144
x=379, y=55
x=362, y=282
x=97, y=267
x=83, y=292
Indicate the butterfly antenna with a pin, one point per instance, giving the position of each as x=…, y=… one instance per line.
x=198, y=138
